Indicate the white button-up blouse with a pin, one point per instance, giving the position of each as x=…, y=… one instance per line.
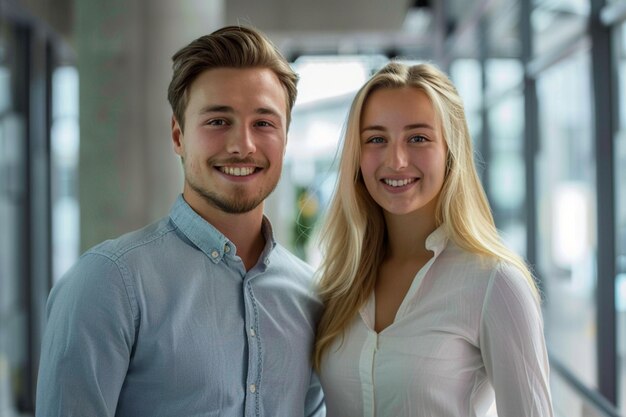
x=468, y=332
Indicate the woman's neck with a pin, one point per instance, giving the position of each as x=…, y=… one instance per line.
x=407, y=235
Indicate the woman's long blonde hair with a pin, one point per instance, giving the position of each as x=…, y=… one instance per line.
x=353, y=238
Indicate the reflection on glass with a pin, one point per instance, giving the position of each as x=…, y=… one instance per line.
x=566, y=216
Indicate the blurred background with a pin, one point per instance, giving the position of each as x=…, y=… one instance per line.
x=85, y=152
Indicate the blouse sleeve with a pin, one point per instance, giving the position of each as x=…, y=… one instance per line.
x=513, y=346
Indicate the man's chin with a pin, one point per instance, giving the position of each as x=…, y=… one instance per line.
x=233, y=205
x=239, y=207
x=230, y=204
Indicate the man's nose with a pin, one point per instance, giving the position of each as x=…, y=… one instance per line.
x=241, y=142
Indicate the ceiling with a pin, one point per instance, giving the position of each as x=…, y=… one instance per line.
x=425, y=29
x=331, y=26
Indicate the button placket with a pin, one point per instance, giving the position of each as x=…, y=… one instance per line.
x=254, y=351
x=366, y=373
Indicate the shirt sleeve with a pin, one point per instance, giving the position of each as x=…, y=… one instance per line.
x=87, y=341
x=513, y=346
x=314, y=403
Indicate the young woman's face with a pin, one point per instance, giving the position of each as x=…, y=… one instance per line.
x=403, y=152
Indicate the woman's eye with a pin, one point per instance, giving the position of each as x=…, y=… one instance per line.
x=376, y=139
x=417, y=139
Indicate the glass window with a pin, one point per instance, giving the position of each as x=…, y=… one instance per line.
x=505, y=166
x=566, y=196
x=555, y=22
x=64, y=165
x=13, y=311
x=466, y=76
x=503, y=75
x=506, y=170
x=620, y=188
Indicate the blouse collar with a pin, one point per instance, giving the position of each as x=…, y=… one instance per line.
x=437, y=240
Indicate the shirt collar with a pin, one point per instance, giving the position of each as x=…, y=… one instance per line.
x=206, y=237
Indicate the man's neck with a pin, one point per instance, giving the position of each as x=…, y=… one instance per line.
x=244, y=230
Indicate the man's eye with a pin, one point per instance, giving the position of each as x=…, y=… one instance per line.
x=216, y=122
x=263, y=123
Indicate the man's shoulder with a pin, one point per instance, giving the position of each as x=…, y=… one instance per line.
x=99, y=266
x=122, y=245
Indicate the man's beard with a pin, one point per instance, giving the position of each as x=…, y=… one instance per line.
x=237, y=204
x=231, y=205
x=234, y=205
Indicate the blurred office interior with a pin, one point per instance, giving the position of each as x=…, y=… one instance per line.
x=85, y=152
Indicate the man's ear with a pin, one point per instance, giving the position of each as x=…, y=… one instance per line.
x=177, y=137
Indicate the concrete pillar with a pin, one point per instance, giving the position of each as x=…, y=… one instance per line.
x=128, y=172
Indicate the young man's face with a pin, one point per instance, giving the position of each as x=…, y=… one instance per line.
x=234, y=139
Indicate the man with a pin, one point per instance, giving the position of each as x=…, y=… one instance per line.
x=201, y=313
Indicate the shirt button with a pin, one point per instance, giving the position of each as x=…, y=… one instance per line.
x=226, y=248
x=252, y=332
x=266, y=261
x=252, y=388
x=215, y=253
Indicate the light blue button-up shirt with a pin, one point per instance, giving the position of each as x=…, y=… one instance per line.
x=166, y=321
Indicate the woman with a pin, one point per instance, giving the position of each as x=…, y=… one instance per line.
x=427, y=312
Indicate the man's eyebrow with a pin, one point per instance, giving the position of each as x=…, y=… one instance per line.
x=219, y=108
x=267, y=111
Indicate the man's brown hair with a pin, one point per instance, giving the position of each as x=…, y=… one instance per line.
x=229, y=47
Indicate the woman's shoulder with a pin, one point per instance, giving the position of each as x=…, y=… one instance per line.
x=482, y=269
x=460, y=259
x=509, y=282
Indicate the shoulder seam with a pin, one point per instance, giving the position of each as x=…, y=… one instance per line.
x=115, y=255
x=494, y=270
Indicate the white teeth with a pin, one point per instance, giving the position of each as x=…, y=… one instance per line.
x=237, y=171
x=398, y=183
